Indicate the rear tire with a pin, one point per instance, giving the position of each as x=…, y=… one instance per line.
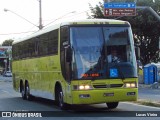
x=112, y=105
x=23, y=92
x=27, y=92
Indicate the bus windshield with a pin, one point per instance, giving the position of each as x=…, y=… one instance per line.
x=102, y=52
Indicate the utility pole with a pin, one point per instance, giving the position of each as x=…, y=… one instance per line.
x=159, y=47
x=40, y=15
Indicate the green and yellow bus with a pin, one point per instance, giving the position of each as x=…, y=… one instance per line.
x=68, y=63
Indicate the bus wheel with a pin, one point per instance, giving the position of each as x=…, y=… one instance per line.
x=112, y=105
x=61, y=103
x=23, y=93
x=27, y=92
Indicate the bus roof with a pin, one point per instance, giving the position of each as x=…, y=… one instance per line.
x=95, y=21
x=72, y=22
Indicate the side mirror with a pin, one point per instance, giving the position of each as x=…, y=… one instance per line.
x=68, y=54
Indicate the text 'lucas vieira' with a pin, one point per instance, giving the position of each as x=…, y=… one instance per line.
x=146, y=115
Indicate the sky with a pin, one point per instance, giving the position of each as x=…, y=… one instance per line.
x=12, y=26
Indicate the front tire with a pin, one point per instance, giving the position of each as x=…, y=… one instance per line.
x=61, y=103
x=112, y=105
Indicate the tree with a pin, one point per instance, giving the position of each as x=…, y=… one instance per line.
x=7, y=42
x=146, y=28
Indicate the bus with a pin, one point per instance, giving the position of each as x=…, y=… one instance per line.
x=68, y=63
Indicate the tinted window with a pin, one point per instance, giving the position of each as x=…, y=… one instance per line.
x=42, y=45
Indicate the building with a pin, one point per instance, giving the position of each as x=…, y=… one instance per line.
x=5, y=58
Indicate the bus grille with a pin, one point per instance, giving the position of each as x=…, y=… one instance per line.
x=108, y=86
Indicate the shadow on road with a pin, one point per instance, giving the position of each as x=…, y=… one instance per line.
x=75, y=108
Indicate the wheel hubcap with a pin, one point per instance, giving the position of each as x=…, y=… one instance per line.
x=60, y=99
x=22, y=93
x=27, y=92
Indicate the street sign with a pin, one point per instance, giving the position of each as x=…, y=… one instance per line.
x=120, y=5
x=120, y=12
x=120, y=9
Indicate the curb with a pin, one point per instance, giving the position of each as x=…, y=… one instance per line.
x=151, y=86
x=144, y=86
x=147, y=103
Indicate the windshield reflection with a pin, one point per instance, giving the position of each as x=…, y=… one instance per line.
x=100, y=51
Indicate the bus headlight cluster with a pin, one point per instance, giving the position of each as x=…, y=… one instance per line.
x=82, y=87
x=130, y=85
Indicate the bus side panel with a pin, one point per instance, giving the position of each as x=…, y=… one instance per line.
x=41, y=73
x=16, y=80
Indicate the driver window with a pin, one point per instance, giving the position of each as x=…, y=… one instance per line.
x=65, y=66
x=116, y=54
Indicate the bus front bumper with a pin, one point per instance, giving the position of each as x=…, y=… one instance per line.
x=104, y=96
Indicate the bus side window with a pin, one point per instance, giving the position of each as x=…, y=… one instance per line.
x=129, y=56
x=36, y=46
x=64, y=41
x=53, y=42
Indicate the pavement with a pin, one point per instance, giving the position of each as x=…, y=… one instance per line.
x=6, y=79
x=150, y=94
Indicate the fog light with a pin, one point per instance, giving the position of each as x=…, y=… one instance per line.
x=84, y=96
x=131, y=93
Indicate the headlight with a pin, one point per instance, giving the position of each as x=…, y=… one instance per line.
x=133, y=85
x=130, y=85
x=87, y=87
x=82, y=87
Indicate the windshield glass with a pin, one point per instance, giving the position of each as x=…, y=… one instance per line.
x=102, y=52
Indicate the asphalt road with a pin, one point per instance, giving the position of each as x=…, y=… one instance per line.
x=12, y=101
x=149, y=94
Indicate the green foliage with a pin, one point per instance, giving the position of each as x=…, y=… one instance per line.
x=145, y=26
x=97, y=12
x=7, y=42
